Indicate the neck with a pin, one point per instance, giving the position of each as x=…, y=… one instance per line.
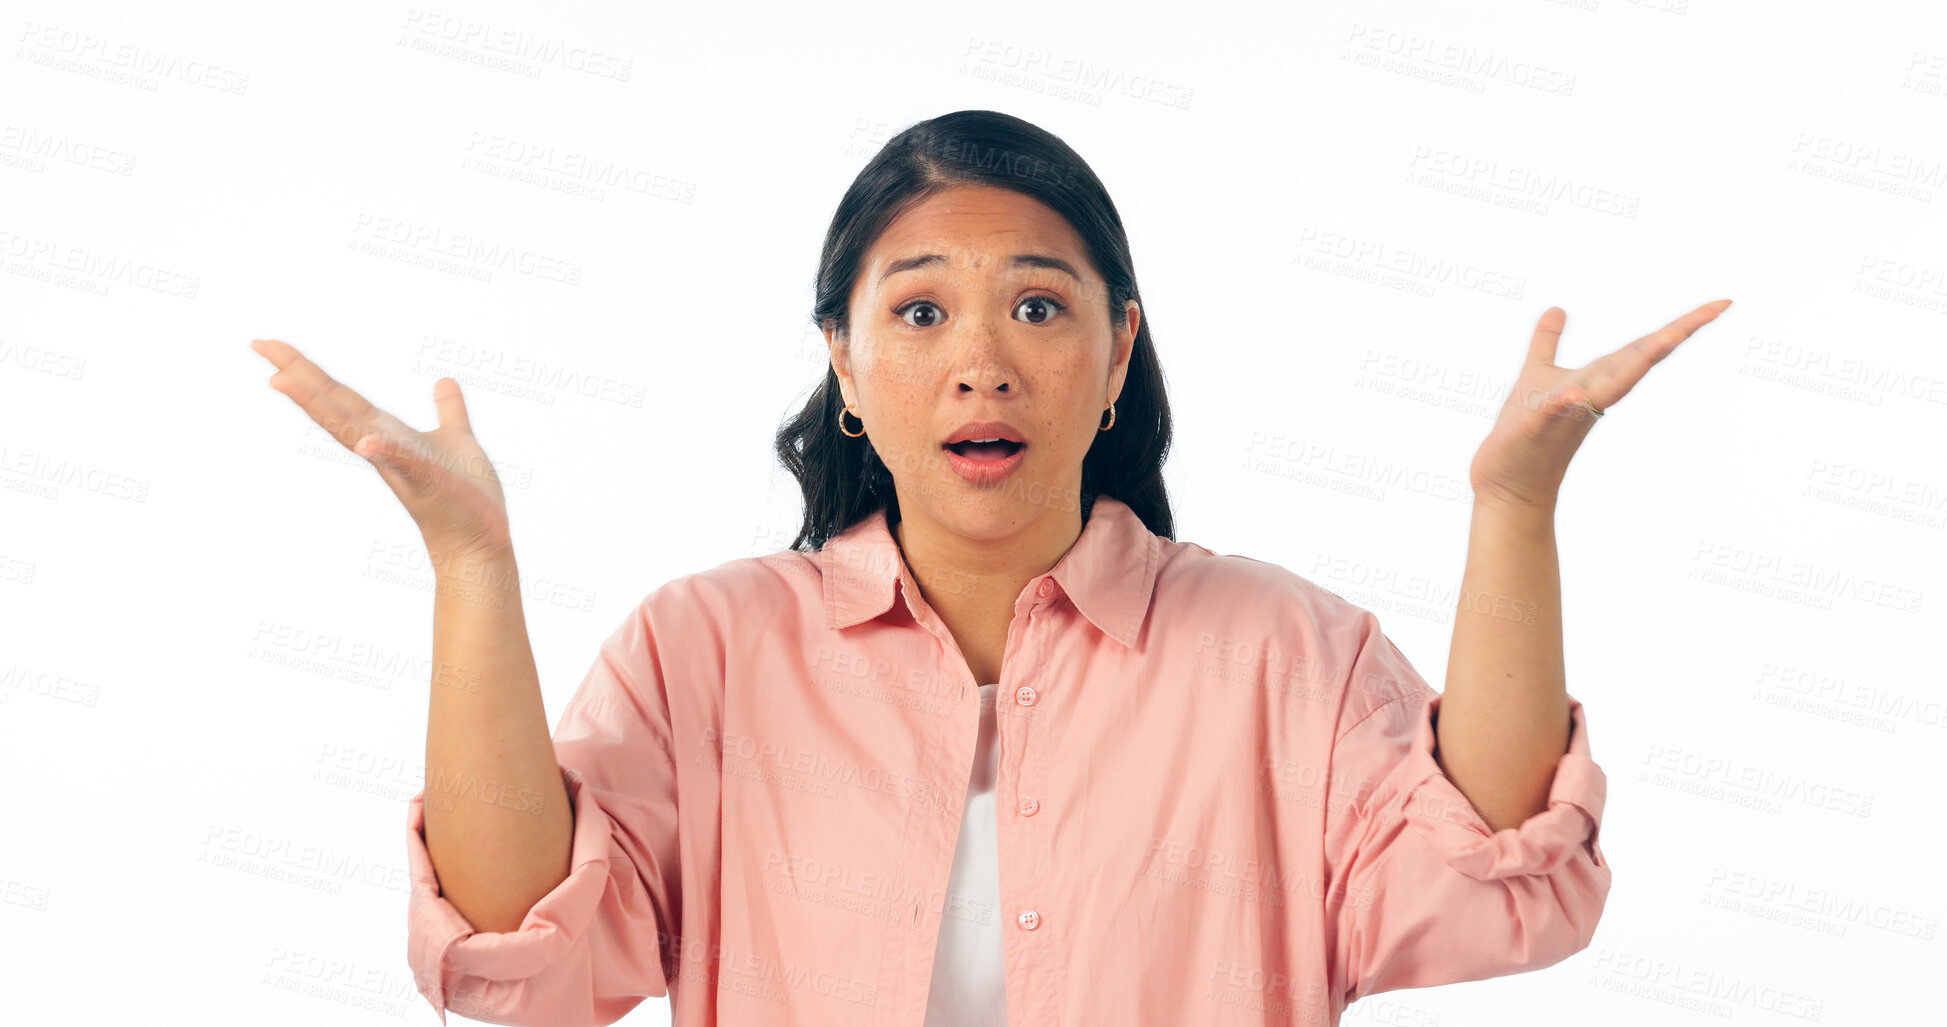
x=973, y=582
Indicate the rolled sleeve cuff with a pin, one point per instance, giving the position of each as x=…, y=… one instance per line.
x=443, y=945
x=1451, y=825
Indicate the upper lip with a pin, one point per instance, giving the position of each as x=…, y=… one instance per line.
x=985, y=430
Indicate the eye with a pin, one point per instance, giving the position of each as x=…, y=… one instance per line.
x=1045, y=301
x=916, y=304
x=1047, y=306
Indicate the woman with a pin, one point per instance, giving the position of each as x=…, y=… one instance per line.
x=988, y=745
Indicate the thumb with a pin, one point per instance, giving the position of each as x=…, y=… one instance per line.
x=452, y=406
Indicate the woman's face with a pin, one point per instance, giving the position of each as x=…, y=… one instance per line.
x=1005, y=320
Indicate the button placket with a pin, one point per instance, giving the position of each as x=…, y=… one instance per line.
x=1028, y=918
x=1025, y=695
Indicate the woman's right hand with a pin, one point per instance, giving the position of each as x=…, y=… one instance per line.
x=443, y=477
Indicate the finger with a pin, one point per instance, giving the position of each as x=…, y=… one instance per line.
x=336, y=407
x=452, y=406
x=398, y=461
x=1548, y=332
x=1611, y=377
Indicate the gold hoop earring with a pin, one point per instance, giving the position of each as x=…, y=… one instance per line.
x=841, y=423
x=1111, y=424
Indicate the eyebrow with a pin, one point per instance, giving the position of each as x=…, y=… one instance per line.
x=1018, y=260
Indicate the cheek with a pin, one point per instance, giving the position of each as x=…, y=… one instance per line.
x=897, y=373
x=895, y=390
x=1077, y=388
x=901, y=412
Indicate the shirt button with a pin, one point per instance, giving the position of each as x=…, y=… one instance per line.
x=1024, y=695
x=1029, y=919
x=1047, y=588
x=1029, y=806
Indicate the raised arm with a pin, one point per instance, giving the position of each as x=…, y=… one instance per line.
x=1504, y=721
x=543, y=870
x=497, y=818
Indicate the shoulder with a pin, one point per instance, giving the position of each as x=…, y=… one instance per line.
x=1244, y=597
x=738, y=595
x=1189, y=573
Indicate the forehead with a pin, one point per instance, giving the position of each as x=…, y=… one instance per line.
x=977, y=229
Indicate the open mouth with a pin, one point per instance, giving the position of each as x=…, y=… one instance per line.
x=999, y=450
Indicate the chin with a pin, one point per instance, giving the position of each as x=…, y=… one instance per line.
x=969, y=511
x=982, y=513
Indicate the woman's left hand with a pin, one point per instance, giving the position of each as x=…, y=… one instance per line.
x=1521, y=463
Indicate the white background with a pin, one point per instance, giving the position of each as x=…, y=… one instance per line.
x=1346, y=222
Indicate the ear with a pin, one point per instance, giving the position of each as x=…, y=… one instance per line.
x=841, y=354
x=1122, y=347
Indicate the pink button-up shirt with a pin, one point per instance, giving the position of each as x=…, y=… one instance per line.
x=1217, y=804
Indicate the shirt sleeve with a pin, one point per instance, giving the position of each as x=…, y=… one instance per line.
x=1421, y=892
x=593, y=948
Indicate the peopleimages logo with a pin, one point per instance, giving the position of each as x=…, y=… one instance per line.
x=132, y=64
x=514, y=44
x=421, y=243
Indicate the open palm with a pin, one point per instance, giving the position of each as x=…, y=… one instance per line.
x=1549, y=411
x=442, y=476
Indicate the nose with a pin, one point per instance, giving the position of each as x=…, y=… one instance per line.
x=983, y=368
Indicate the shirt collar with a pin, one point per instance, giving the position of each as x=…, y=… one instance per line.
x=1108, y=573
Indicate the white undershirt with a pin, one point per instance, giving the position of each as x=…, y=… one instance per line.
x=969, y=988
